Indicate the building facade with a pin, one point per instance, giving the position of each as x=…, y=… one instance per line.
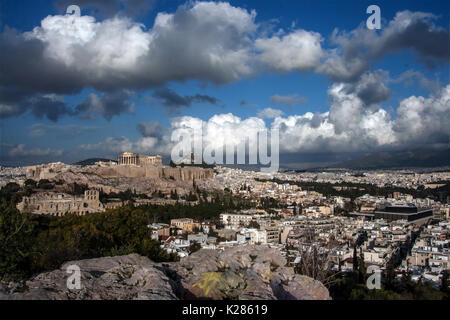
x=58, y=204
x=235, y=220
x=186, y=224
x=407, y=212
x=134, y=159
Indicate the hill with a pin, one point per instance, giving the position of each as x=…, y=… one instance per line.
x=91, y=161
x=399, y=159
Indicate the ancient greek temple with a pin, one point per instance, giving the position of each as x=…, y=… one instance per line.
x=130, y=159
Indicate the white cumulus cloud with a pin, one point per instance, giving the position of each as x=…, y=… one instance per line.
x=299, y=51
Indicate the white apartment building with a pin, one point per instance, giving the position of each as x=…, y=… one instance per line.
x=235, y=220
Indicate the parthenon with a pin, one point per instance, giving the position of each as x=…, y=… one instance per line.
x=134, y=159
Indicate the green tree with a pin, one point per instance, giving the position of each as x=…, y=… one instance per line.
x=174, y=195
x=45, y=184
x=445, y=285
x=355, y=259
x=15, y=240
x=254, y=224
x=30, y=183
x=191, y=197
x=361, y=269
x=391, y=281
x=194, y=247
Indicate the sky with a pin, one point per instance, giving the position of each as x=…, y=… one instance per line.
x=126, y=74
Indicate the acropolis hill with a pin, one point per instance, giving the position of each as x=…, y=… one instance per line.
x=130, y=165
x=145, y=175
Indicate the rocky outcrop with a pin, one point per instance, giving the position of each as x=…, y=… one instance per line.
x=122, y=277
x=118, y=178
x=177, y=174
x=245, y=273
x=55, y=171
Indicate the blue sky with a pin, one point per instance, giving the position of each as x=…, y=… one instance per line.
x=415, y=68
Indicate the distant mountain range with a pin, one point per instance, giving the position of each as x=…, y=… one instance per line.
x=91, y=161
x=399, y=159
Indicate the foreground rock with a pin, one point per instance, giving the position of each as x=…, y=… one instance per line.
x=245, y=272
x=250, y=272
x=123, y=277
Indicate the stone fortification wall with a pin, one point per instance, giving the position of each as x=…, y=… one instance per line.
x=178, y=174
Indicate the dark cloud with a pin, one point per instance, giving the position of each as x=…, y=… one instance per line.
x=13, y=95
x=247, y=103
x=420, y=35
x=29, y=80
x=288, y=101
x=151, y=129
x=317, y=120
x=49, y=107
x=66, y=130
x=409, y=76
x=358, y=49
x=371, y=88
x=53, y=107
x=108, y=105
x=173, y=101
x=24, y=68
x=16, y=103
x=374, y=93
